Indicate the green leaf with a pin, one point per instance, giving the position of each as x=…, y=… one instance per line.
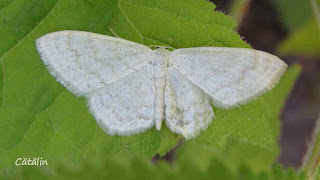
x=4, y=3
x=40, y=118
x=304, y=41
x=177, y=24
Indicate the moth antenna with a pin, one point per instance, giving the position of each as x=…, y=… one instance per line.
x=114, y=32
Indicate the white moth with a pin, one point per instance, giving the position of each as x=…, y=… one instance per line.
x=130, y=88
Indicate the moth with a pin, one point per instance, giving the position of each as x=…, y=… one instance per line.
x=130, y=87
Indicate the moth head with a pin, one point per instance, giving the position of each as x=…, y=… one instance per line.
x=162, y=47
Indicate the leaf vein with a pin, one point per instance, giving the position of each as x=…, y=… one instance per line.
x=129, y=21
x=181, y=17
x=3, y=85
x=168, y=12
x=26, y=36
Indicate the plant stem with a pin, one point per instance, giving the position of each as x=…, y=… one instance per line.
x=311, y=159
x=316, y=11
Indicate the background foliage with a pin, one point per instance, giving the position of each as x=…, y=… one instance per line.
x=302, y=20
